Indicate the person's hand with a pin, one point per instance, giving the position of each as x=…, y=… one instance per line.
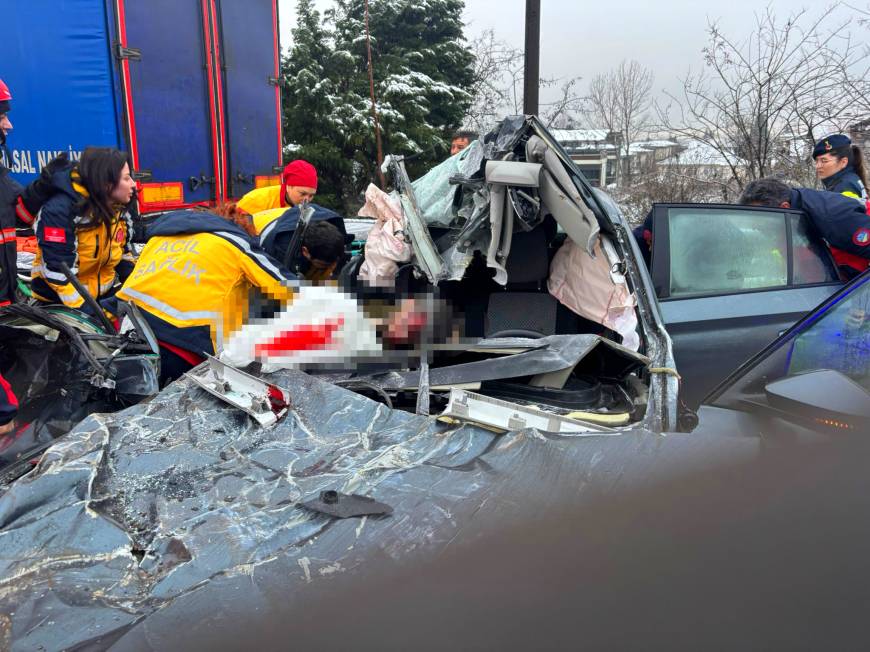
x=7, y=428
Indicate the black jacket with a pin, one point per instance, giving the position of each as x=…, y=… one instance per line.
x=846, y=181
x=840, y=220
x=10, y=191
x=276, y=237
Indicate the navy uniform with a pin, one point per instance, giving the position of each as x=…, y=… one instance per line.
x=841, y=221
x=276, y=236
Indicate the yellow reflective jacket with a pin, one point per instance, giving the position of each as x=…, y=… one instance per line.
x=94, y=253
x=266, y=217
x=262, y=199
x=193, y=279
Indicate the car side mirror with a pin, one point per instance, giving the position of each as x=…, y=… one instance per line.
x=514, y=173
x=826, y=397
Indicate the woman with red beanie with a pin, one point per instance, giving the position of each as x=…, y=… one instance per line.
x=298, y=185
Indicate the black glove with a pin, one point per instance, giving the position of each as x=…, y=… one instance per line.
x=43, y=189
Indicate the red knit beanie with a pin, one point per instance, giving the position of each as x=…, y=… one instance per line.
x=299, y=173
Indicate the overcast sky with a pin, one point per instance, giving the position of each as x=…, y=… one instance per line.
x=586, y=38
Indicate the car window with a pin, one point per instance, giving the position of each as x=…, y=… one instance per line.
x=839, y=340
x=812, y=262
x=724, y=251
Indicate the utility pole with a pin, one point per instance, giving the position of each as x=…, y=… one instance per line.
x=532, y=68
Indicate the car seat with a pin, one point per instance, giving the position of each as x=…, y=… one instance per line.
x=524, y=307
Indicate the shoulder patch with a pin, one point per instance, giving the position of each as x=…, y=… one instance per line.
x=55, y=234
x=862, y=237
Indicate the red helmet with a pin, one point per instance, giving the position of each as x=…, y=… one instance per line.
x=5, y=97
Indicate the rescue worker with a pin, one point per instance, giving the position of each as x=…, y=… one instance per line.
x=17, y=202
x=840, y=220
x=298, y=186
x=322, y=244
x=85, y=225
x=8, y=407
x=193, y=280
x=840, y=166
x=10, y=190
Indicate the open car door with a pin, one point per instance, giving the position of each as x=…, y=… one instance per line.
x=729, y=280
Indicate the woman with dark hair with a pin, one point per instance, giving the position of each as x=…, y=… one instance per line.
x=840, y=166
x=85, y=225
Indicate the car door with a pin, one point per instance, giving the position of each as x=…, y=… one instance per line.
x=729, y=280
x=815, y=378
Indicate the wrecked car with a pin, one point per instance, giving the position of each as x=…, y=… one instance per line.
x=64, y=366
x=547, y=306
x=172, y=523
x=236, y=493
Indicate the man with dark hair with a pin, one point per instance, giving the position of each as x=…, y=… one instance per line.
x=840, y=220
x=461, y=139
x=322, y=248
x=322, y=242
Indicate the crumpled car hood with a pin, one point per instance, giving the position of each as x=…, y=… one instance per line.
x=182, y=506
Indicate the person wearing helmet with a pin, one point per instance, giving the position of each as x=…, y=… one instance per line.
x=10, y=191
x=298, y=186
x=18, y=205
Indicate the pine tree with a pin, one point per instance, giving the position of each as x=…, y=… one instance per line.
x=423, y=74
x=308, y=101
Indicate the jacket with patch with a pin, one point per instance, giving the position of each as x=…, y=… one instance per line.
x=847, y=183
x=840, y=220
x=10, y=191
x=94, y=253
x=193, y=279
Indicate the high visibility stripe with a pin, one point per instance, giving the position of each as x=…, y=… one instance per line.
x=262, y=260
x=54, y=277
x=179, y=315
x=269, y=228
x=23, y=214
x=7, y=235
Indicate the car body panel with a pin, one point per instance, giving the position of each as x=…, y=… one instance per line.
x=713, y=335
x=715, y=331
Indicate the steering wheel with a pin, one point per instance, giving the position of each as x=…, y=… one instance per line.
x=517, y=332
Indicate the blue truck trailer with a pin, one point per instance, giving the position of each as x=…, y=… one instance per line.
x=188, y=87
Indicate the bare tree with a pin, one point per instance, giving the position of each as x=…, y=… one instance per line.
x=620, y=100
x=495, y=79
x=761, y=103
x=498, y=74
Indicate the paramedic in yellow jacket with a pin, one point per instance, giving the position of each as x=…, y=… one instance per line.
x=85, y=224
x=193, y=280
x=298, y=186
